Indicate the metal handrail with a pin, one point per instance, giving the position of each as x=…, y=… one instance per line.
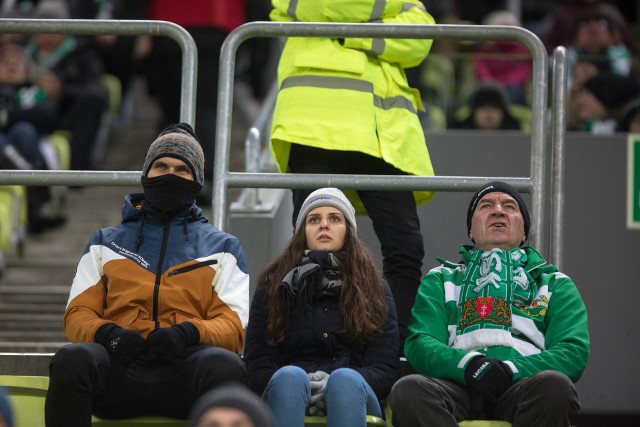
x=558, y=126
x=106, y=27
x=223, y=178
x=252, y=144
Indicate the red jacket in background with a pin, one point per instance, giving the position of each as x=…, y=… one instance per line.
x=223, y=14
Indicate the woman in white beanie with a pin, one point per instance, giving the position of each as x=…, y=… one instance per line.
x=323, y=335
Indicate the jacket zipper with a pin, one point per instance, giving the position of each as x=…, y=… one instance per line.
x=156, y=286
x=193, y=267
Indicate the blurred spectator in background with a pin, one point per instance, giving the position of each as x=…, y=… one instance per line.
x=599, y=36
x=488, y=110
x=599, y=105
x=474, y=11
x=585, y=67
x=116, y=52
x=26, y=115
x=565, y=20
x=630, y=121
x=504, y=61
x=69, y=71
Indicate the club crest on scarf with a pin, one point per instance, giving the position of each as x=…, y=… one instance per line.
x=492, y=280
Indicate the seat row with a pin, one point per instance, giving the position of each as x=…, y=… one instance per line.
x=27, y=394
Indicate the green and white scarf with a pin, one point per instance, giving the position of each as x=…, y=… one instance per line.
x=486, y=296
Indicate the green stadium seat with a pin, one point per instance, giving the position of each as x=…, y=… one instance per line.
x=322, y=421
x=60, y=141
x=484, y=423
x=13, y=211
x=113, y=87
x=27, y=395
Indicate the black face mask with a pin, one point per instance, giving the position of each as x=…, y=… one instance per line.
x=167, y=195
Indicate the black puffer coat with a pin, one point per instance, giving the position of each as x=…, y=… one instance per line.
x=315, y=340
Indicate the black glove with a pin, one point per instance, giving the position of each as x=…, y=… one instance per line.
x=165, y=344
x=489, y=377
x=124, y=344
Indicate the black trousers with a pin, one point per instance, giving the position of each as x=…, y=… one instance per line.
x=85, y=379
x=547, y=398
x=393, y=215
x=83, y=117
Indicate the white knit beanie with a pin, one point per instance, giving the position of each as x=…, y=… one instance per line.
x=328, y=197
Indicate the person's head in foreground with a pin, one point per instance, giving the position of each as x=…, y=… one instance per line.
x=231, y=405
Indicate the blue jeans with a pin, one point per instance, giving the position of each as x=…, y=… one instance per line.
x=25, y=140
x=348, y=398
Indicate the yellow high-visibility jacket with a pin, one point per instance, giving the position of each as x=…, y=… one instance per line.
x=352, y=94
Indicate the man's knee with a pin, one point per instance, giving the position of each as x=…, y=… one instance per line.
x=221, y=365
x=74, y=360
x=407, y=388
x=555, y=388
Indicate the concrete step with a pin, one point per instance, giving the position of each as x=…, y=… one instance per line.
x=31, y=347
x=26, y=308
x=34, y=289
x=31, y=323
x=22, y=336
x=35, y=299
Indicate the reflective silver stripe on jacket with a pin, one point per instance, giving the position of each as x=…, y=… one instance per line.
x=377, y=10
x=327, y=82
x=377, y=46
x=291, y=11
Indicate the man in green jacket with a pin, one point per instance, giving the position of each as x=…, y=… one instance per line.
x=499, y=335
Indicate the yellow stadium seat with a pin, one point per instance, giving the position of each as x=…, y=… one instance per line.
x=27, y=395
x=13, y=216
x=322, y=421
x=113, y=86
x=484, y=423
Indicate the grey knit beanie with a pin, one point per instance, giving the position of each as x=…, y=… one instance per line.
x=328, y=197
x=178, y=141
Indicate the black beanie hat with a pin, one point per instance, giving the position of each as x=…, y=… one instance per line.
x=236, y=396
x=502, y=187
x=489, y=94
x=612, y=90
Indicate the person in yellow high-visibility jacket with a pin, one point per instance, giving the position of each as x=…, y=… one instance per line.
x=345, y=106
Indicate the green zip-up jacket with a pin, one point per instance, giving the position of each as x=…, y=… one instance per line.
x=549, y=328
x=352, y=94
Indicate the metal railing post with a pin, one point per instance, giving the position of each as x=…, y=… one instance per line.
x=558, y=126
x=535, y=184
